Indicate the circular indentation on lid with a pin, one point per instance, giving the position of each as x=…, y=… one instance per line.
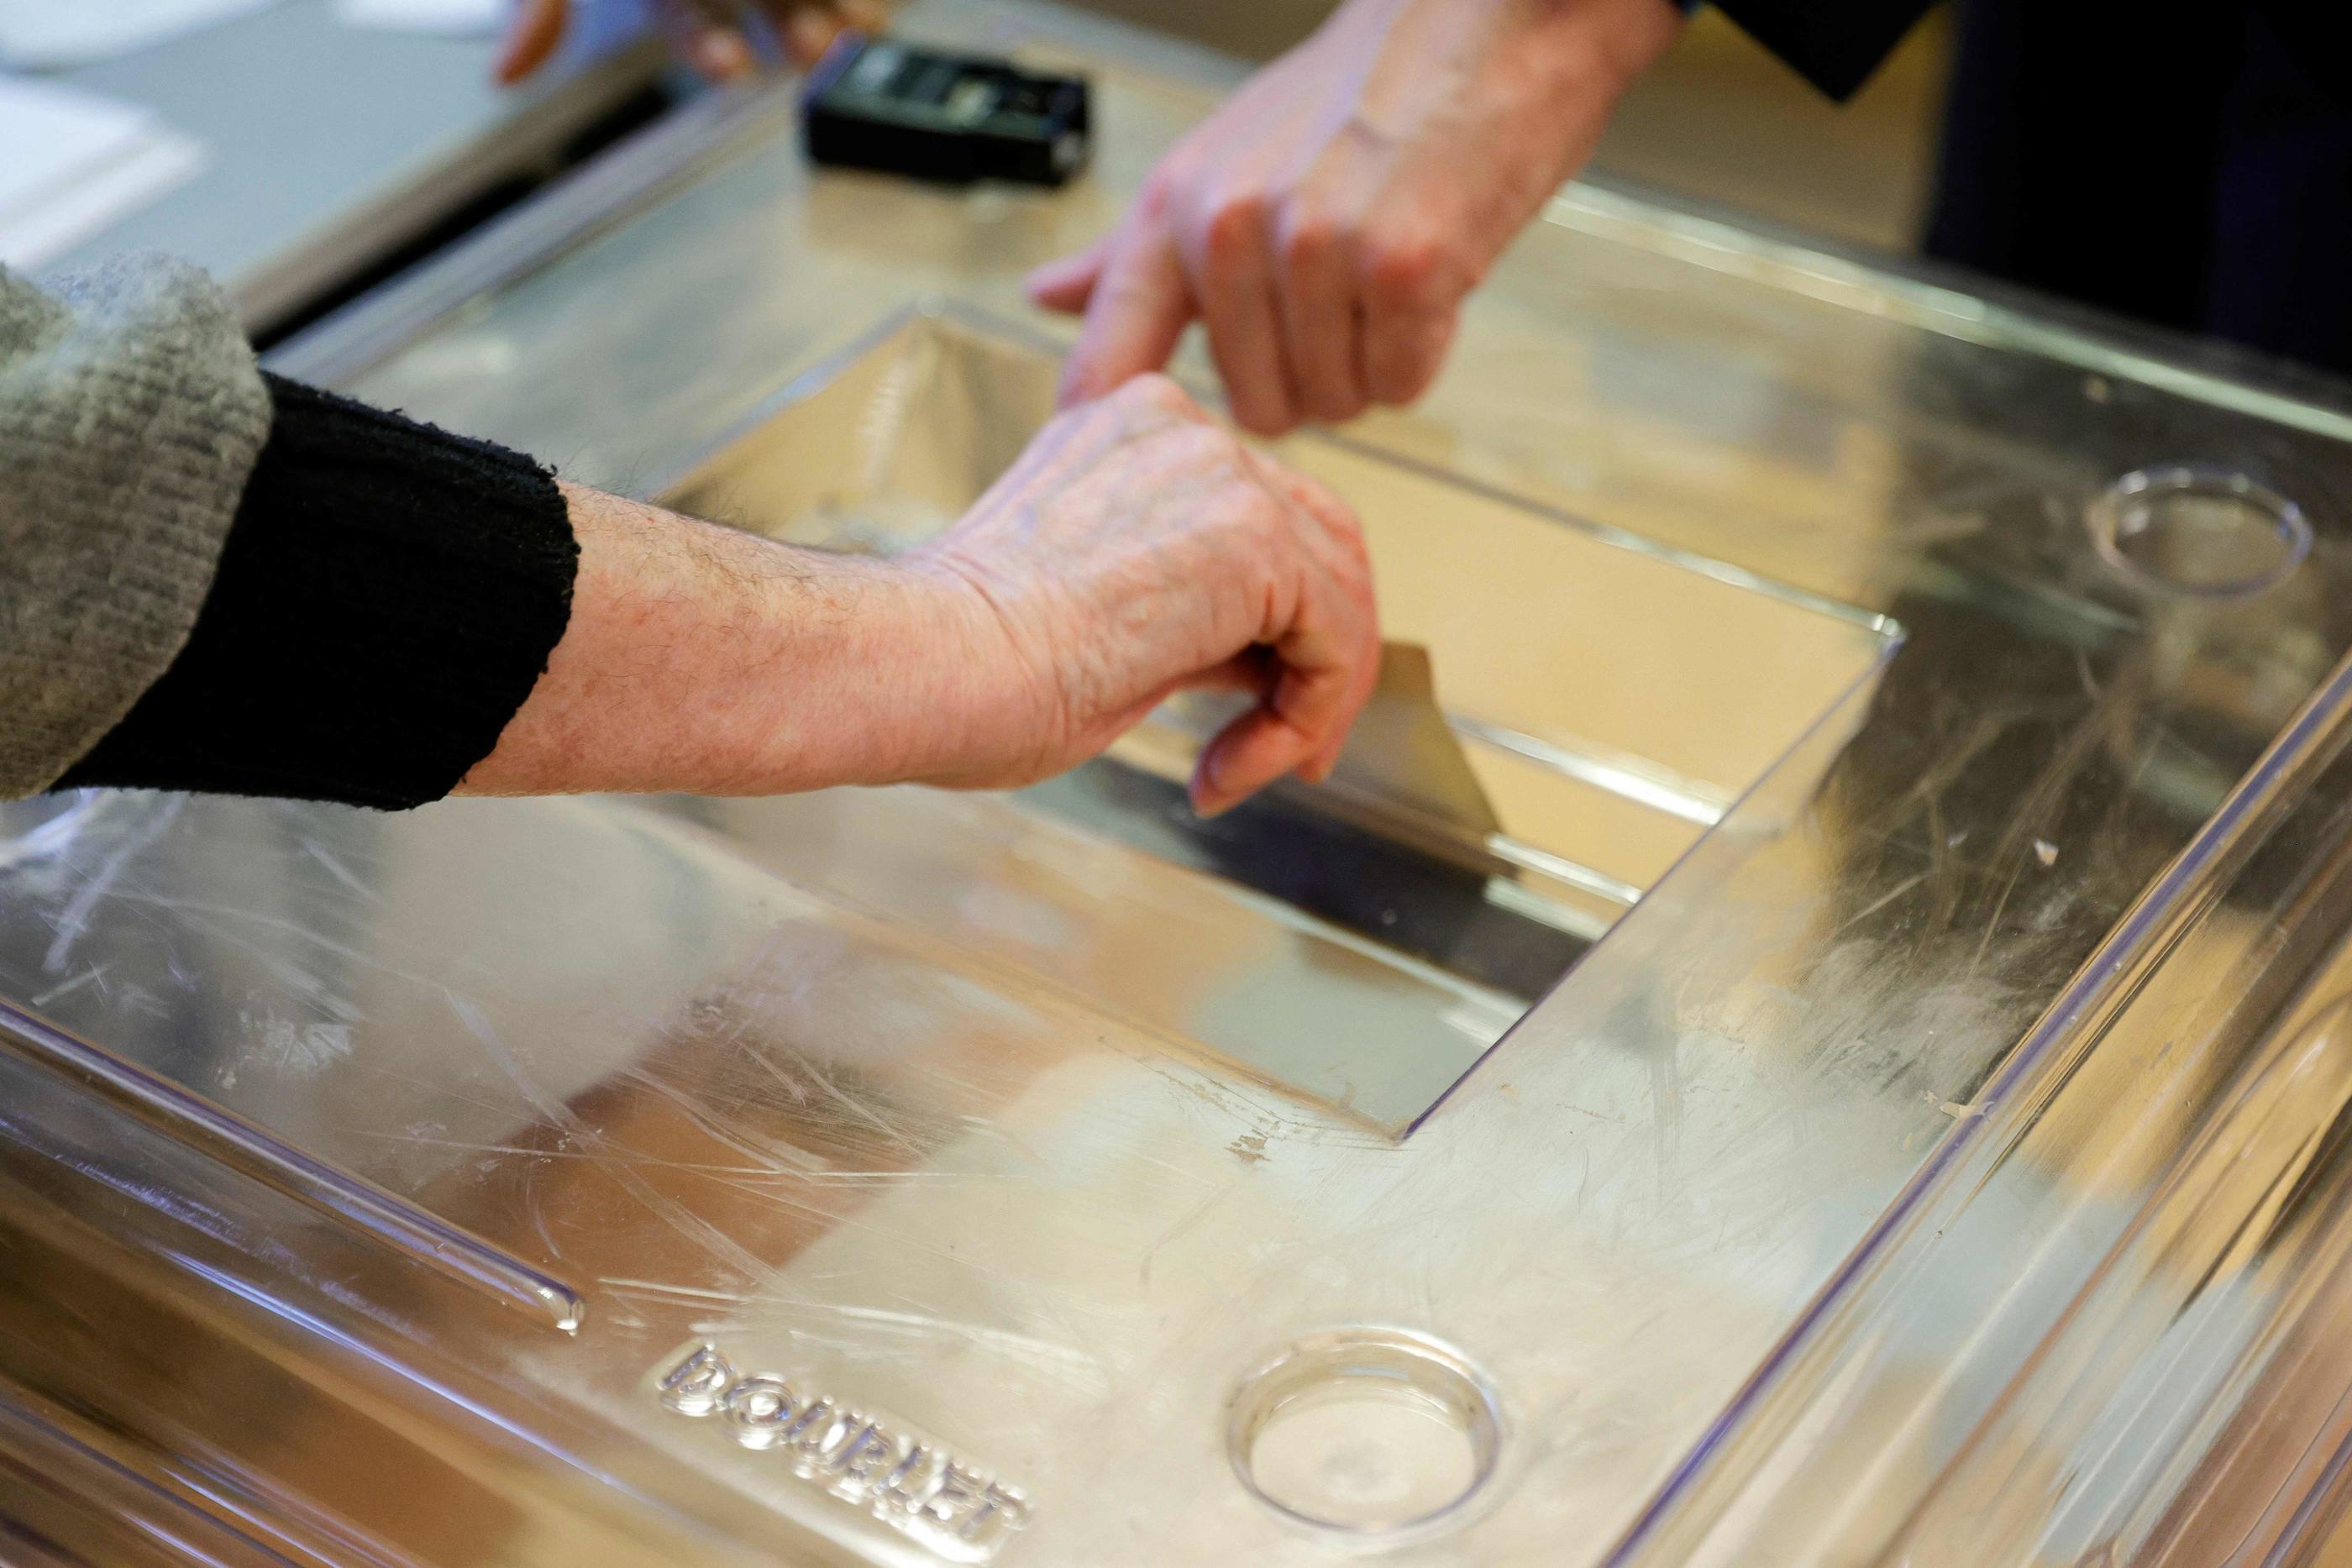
x=2210, y=532
x=1380, y=1433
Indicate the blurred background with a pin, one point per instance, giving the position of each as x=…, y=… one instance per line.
x=304, y=150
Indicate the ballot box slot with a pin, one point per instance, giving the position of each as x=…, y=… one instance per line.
x=1426, y=907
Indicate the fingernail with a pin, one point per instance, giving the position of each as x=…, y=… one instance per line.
x=1208, y=790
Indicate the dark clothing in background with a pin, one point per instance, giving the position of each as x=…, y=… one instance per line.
x=1833, y=44
x=2190, y=165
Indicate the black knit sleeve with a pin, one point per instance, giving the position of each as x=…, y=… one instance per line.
x=386, y=599
x=1833, y=44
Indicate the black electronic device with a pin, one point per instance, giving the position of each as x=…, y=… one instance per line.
x=875, y=103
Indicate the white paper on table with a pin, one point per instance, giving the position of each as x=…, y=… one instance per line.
x=454, y=18
x=48, y=35
x=77, y=162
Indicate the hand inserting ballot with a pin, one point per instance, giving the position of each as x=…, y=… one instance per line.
x=1137, y=548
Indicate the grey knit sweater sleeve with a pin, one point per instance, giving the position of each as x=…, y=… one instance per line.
x=130, y=417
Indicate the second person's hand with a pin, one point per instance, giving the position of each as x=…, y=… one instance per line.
x=707, y=33
x=1326, y=222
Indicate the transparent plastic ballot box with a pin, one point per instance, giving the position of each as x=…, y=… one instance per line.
x=1863, y=1086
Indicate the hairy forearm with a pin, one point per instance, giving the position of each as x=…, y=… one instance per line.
x=704, y=660
x=1622, y=37
x=1576, y=47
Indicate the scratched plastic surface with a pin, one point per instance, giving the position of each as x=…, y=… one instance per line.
x=1943, y=1163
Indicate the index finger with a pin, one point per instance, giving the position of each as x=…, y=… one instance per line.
x=1328, y=654
x=1139, y=307
x=1343, y=542
x=1315, y=697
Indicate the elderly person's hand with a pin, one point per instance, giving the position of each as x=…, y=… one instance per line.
x=1136, y=549
x=707, y=33
x=1327, y=221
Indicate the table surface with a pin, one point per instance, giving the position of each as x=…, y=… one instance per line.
x=331, y=144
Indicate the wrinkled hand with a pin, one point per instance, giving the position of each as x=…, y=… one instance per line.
x=1326, y=223
x=702, y=32
x=1136, y=549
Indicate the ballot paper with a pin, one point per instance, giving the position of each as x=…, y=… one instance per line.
x=49, y=35
x=449, y=18
x=1402, y=750
x=76, y=163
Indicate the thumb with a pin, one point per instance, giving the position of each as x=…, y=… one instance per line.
x=1066, y=284
x=532, y=37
